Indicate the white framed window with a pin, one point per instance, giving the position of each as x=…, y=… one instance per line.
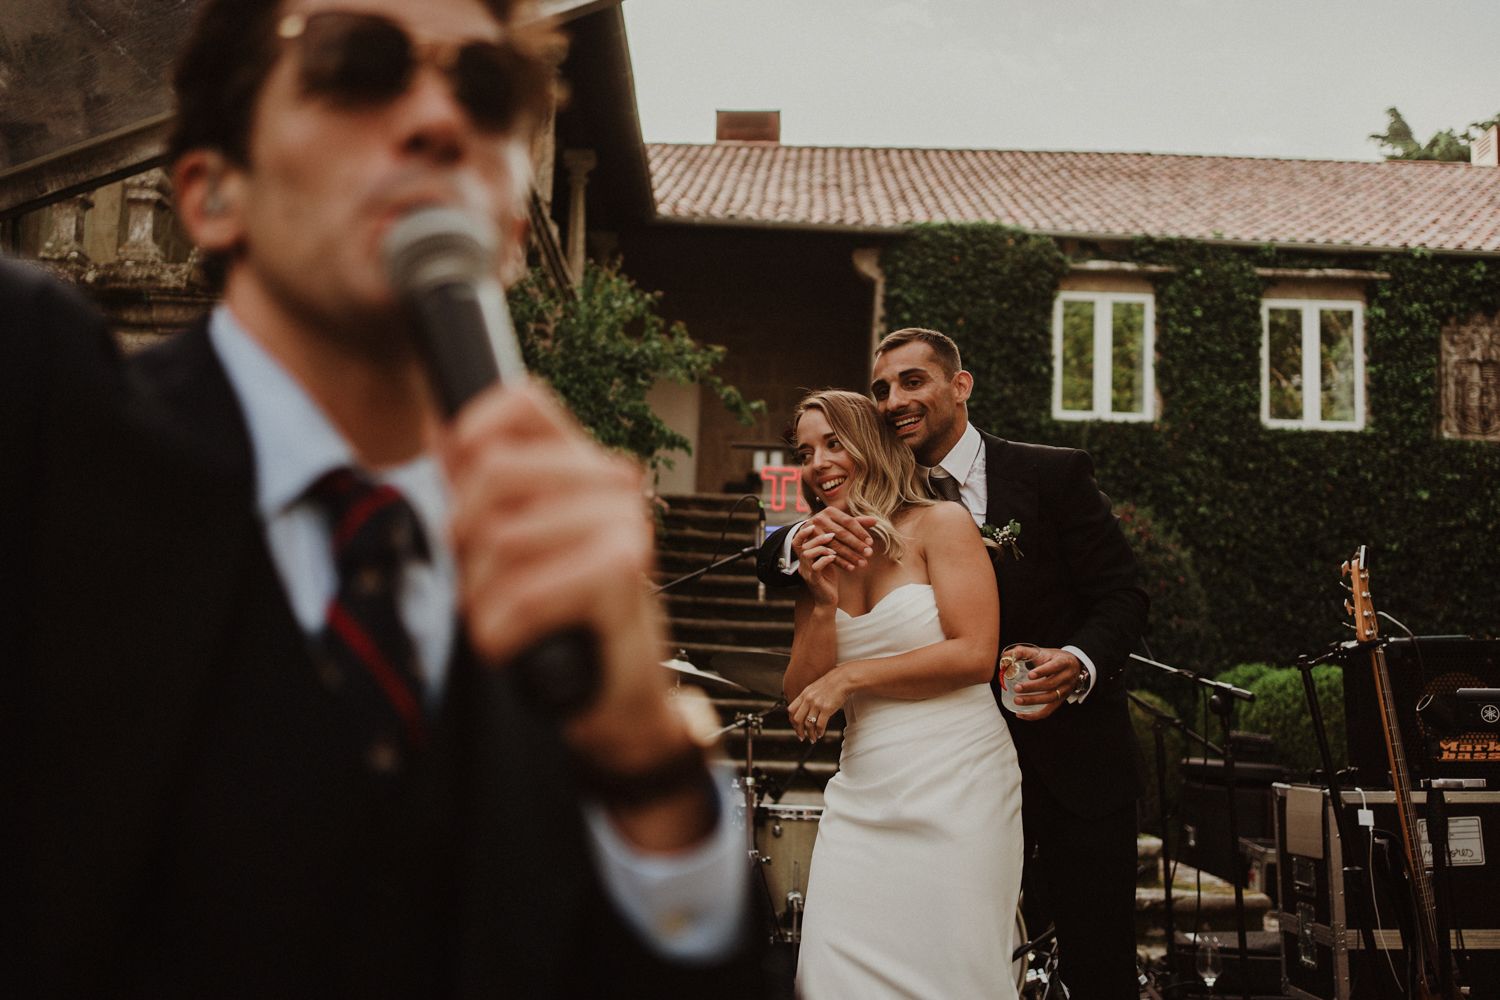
x=1103, y=346
x=1312, y=370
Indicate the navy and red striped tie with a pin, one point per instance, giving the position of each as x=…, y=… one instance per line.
x=375, y=534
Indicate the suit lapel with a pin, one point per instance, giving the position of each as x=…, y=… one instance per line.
x=1008, y=482
x=197, y=451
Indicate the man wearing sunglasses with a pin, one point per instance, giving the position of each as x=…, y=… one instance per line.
x=233, y=786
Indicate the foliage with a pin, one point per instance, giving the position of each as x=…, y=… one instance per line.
x=1180, y=619
x=1264, y=515
x=1244, y=675
x=1280, y=710
x=1398, y=142
x=604, y=349
x=1175, y=747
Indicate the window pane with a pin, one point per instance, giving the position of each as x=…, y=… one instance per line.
x=1078, y=356
x=1128, y=374
x=1336, y=335
x=1284, y=333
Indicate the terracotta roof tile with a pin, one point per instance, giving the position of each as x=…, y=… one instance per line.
x=1391, y=204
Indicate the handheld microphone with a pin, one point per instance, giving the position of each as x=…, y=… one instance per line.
x=440, y=261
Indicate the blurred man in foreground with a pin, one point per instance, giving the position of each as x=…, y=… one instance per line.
x=267, y=599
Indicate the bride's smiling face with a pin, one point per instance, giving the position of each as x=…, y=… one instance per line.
x=826, y=466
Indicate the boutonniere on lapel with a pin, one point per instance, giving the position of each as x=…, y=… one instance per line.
x=1004, y=539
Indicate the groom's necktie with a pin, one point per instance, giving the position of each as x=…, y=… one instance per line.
x=944, y=486
x=375, y=535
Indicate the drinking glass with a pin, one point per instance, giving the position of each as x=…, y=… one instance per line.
x=1210, y=964
x=1015, y=667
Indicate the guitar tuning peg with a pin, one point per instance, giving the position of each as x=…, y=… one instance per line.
x=1348, y=609
x=1346, y=586
x=1349, y=626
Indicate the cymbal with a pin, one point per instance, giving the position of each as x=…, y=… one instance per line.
x=760, y=670
x=686, y=671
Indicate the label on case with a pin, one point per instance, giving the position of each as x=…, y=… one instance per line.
x=1465, y=842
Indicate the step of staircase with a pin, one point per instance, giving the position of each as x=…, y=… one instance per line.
x=746, y=632
x=675, y=562
x=723, y=611
x=1210, y=909
x=691, y=605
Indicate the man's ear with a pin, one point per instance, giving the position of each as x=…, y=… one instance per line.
x=963, y=384
x=210, y=200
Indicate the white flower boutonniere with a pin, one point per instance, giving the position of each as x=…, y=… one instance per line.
x=1004, y=539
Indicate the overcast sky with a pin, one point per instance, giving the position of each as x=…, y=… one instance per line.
x=1292, y=78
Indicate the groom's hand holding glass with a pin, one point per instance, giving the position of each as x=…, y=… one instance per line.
x=1054, y=675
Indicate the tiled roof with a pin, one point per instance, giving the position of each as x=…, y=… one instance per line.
x=1316, y=203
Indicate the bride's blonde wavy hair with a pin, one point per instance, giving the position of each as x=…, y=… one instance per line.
x=886, y=479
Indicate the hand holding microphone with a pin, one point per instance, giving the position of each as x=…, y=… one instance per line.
x=440, y=262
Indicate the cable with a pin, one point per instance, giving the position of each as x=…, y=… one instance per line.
x=728, y=520
x=1364, y=806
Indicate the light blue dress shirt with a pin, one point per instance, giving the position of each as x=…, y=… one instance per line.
x=689, y=904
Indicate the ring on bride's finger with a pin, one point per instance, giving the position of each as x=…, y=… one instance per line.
x=812, y=718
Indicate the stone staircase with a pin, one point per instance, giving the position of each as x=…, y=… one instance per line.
x=722, y=611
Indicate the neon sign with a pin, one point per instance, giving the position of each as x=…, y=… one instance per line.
x=784, y=480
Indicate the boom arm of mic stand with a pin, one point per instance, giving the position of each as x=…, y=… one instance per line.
x=748, y=550
x=1169, y=719
x=1217, y=686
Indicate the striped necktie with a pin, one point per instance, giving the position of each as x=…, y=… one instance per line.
x=946, y=487
x=375, y=533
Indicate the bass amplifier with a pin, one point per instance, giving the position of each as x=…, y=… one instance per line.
x=1438, y=666
x=1322, y=945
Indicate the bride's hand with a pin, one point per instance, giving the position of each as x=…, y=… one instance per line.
x=811, y=710
x=818, y=568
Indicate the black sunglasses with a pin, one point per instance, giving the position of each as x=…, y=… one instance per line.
x=365, y=59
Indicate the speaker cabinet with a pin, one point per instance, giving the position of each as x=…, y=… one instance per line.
x=1428, y=665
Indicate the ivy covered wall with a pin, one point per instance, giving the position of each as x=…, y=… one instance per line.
x=1251, y=522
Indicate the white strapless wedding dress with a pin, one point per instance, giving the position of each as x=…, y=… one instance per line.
x=916, y=871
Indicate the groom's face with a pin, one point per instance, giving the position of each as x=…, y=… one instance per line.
x=925, y=405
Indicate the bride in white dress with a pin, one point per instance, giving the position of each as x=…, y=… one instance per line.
x=916, y=870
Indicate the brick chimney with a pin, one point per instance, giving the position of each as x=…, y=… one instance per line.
x=748, y=126
x=1485, y=150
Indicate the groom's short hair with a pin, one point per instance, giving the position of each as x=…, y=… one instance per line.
x=940, y=344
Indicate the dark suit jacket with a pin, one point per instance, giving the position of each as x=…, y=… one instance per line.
x=1075, y=586
x=202, y=813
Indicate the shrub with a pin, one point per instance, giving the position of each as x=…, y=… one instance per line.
x=1149, y=806
x=604, y=348
x=1280, y=709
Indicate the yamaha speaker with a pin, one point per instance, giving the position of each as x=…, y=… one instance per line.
x=1427, y=665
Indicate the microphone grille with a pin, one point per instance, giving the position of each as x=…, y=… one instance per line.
x=438, y=245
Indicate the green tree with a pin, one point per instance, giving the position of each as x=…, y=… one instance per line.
x=604, y=348
x=1398, y=142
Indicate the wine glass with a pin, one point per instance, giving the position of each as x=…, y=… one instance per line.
x=1210, y=964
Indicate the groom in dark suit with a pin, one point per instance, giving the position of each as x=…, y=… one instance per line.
x=1070, y=595
x=259, y=601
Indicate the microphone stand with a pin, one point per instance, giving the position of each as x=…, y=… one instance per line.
x=1222, y=702
x=748, y=550
x=1159, y=721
